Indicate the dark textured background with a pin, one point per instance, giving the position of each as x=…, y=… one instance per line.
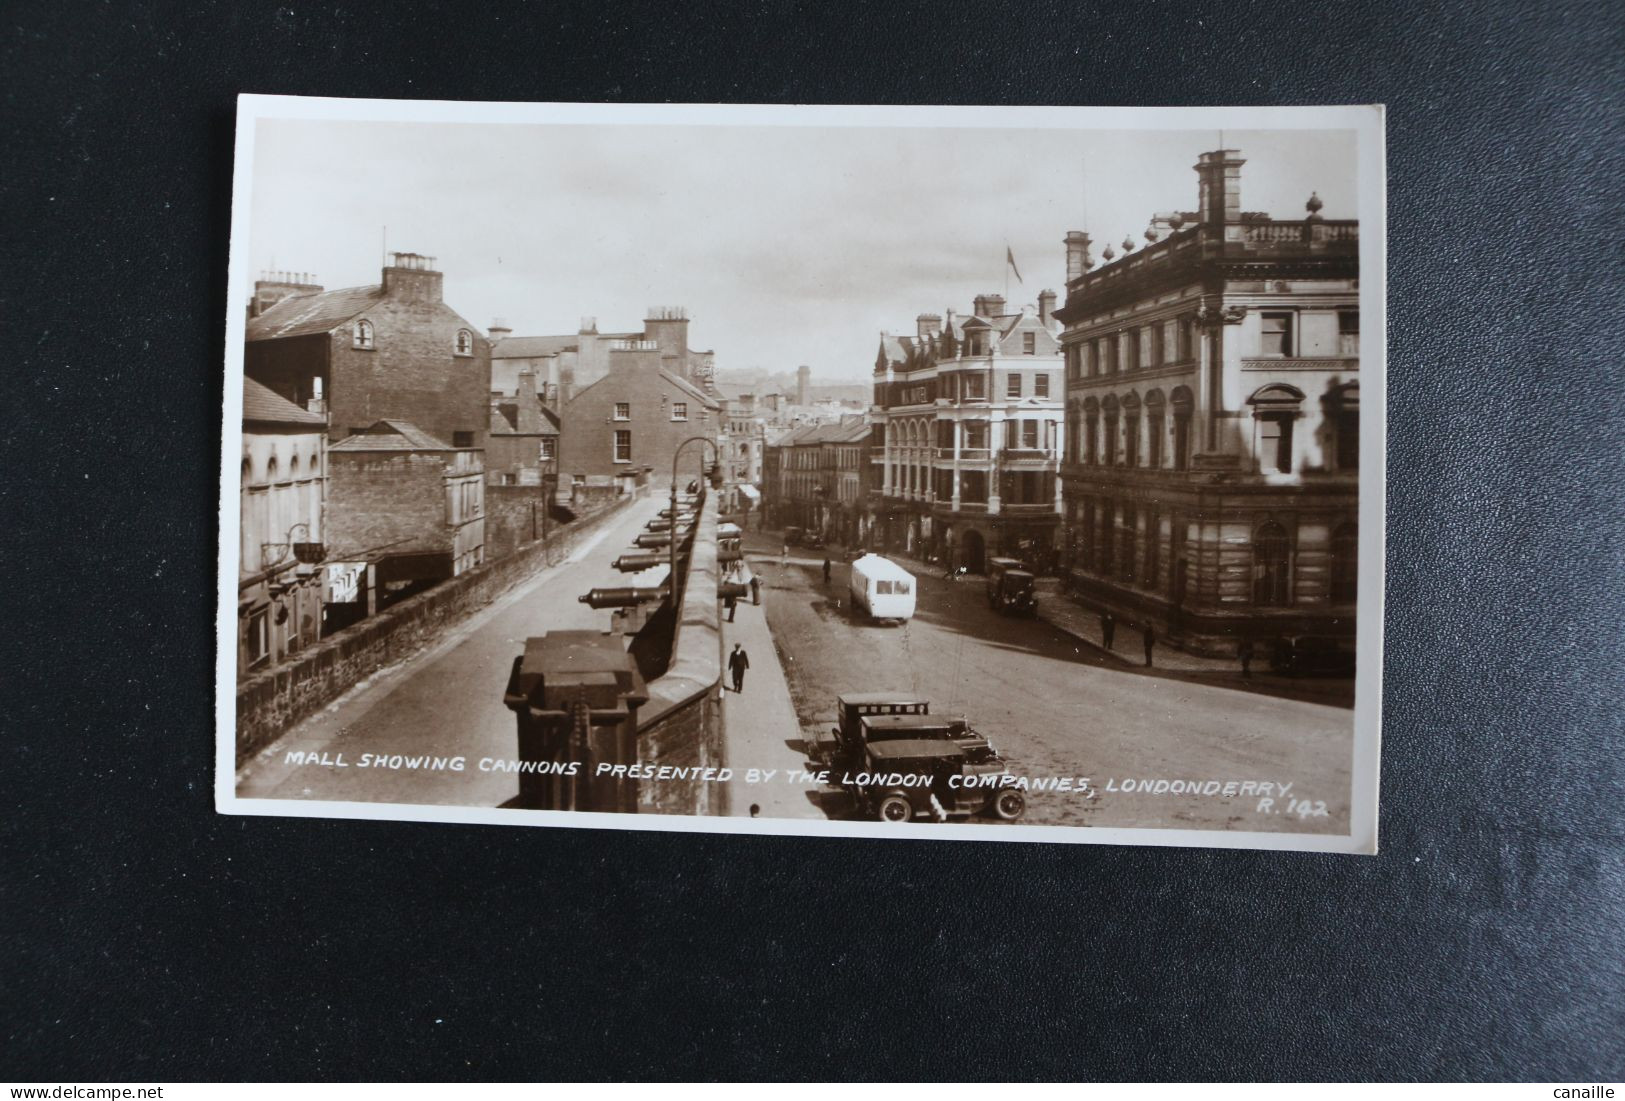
x=147, y=938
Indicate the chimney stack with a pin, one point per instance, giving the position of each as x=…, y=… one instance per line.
x=989, y=305
x=803, y=377
x=499, y=330
x=927, y=325
x=1078, y=260
x=1046, y=305
x=1220, y=176
x=413, y=278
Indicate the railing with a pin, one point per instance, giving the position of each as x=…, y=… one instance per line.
x=1299, y=363
x=1024, y=455
x=1026, y=508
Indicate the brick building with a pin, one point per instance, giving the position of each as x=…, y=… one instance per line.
x=1211, y=479
x=521, y=469
x=282, y=490
x=630, y=423
x=568, y=363
x=820, y=480
x=391, y=351
x=970, y=418
x=407, y=505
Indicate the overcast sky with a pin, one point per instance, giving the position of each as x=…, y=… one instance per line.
x=788, y=245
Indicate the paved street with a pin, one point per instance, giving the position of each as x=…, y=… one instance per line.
x=447, y=700
x=1054, y=706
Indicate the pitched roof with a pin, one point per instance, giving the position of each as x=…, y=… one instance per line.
x=304, y=314
x=262, y=405
x=387, y=435
x=505, y=420
x=684, y=384
x=530, y=347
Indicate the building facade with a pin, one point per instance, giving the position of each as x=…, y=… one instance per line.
x=627, y=427
x=392, y=351
x=407, y=506
x=1212, y=451
x=281, y=495
x=970, y=419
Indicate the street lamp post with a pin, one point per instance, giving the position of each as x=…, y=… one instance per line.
x=671, y=580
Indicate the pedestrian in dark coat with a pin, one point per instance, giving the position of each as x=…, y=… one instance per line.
x=1150, y=641
x=1108, y=628
x=1244, y=652
x=826, y=571
x=738, y=662
x=733, y=606
x=755, y=590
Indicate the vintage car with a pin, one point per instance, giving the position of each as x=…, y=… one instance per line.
x=1010, y=587
x=907, y=778
x=1312, y=654
x=851, y=708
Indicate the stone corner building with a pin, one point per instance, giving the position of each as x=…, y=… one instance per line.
x=1211, y=473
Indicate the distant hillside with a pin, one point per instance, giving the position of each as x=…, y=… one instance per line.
x=737, y=381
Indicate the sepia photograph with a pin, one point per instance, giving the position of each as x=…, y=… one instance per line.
x=979, y=473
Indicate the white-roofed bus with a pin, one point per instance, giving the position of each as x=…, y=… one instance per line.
x=881, y=589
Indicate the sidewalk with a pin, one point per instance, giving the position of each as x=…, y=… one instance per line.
x=1128, y=645
x=760, y=722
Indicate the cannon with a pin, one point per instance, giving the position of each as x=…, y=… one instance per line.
x=735, y=589
x=632, y=563
x=625, y=596
x=653, y=539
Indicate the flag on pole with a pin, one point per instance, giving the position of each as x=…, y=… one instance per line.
x=1010, y=258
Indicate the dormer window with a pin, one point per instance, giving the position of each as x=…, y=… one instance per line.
x=465, y=342
x=361, y=334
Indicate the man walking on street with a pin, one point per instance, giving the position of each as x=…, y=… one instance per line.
x=784, y=555
x=1108, y=628
x=755, y=589
x=738, y=662
x=826, y=571
x=1150, y=641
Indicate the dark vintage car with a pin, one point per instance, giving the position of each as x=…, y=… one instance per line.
x=1010, y=587
x=934, y=778
x=1306, y=655
x=851, y=708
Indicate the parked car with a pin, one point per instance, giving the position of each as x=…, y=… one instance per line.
x=1297, y=655
x=1010, y=587
x=908, y=778
x=846, y=743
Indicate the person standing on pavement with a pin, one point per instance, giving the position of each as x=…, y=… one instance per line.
x=1244, y=652
x=1108, y=628
x=784, y=555
x=1150, y=641
x=826, y=571
x=738, y=662
x=755, y=589
x=733, y=605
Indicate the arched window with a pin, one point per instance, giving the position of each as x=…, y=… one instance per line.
x=1275, y=411
x=1272, y=554
x=1131, y=430
x=1343, y=411
x=465, y=343
x=1091, y=431
x=1180, y=401
x=361, y=334
x=1345, y=564
x=1109, y=410
x=1155, y=428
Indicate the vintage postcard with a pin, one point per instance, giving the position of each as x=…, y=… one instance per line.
x=975, y=473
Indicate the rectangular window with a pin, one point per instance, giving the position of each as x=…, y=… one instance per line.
x=623, y=410
x=976, y=387
x=1170, y=342
x=1348, y=333
x=462, y=439
x=679, y=410
x=258, y=640
x=623, y=445
x=1029, y=435
x=1275, y=443
x=1013, y=386
x=1029, y=344
x=545, y=447
x=1040, y=386
x=1146, y=353
x=1275, y=334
